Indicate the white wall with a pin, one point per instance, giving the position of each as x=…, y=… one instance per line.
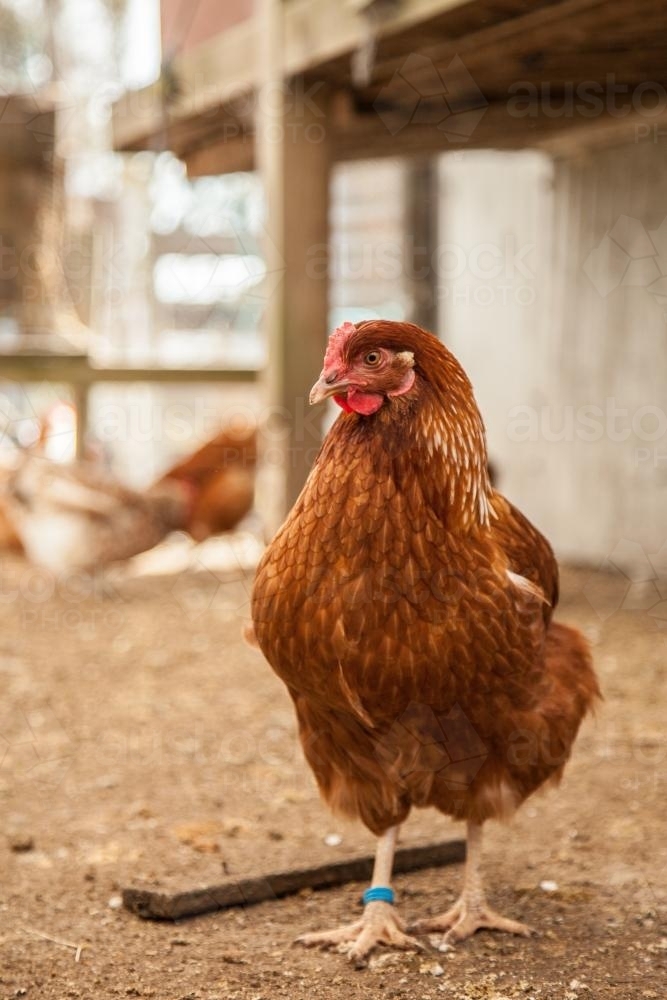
x=570, y=327
x=368, y=241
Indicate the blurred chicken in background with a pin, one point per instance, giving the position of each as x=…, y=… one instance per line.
x=77, y=516
x=8, y=537
x=221, y=479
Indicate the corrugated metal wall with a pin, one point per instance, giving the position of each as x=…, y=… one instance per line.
x=550, y=294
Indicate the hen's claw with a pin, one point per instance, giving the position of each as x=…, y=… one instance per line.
x=462, y=920
x=380, y=924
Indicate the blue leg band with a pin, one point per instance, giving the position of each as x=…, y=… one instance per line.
x=378, y=894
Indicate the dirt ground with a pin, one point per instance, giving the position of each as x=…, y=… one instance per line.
x=142, y=743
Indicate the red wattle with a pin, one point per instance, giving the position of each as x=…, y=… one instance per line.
x=342, y=402
x=364, y=403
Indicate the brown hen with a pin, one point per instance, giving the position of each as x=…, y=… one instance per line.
x=407, y=607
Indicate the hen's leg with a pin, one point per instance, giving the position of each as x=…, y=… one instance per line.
x=471, y=912
x=379, y=924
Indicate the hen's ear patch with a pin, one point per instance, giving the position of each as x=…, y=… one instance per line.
x=408, y=357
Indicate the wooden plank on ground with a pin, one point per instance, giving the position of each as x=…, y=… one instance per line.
x=155, y=905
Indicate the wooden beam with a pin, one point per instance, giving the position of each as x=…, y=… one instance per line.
x=201, y=79
x=205, y=107
x=563, y=44
x=503, y=125
x=539, y=25
x=605, y=132
x=182, y=241
x=317, y=31
x=224, y=155
x=366, y=136
x=76, y=371
x=138, y=117
x=225, y=68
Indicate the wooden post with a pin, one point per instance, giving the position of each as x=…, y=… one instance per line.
x=421, y=226
x=294, y=159
x=80, y=392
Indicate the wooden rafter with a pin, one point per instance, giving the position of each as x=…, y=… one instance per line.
x=481, y=55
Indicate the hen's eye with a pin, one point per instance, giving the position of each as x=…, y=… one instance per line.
x=372, y=358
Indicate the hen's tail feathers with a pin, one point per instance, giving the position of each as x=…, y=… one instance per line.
x=571, y=666
x=573, y=690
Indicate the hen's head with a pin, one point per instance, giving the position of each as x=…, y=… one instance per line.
x=369, y=364
x=408, y=378
x=362, y=370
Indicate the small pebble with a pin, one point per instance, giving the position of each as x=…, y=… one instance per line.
x=333, y=839
x=385, y=959
x=19, y=843
x=115, y=903
x=548, y=886
x=431, y=969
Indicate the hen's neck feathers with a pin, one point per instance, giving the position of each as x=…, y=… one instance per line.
x=451, y=435
x=435, y=435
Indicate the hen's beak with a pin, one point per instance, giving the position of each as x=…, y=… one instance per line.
x=328, y=384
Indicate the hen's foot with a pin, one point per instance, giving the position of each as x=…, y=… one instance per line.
x=464, y=918
x=380, y=924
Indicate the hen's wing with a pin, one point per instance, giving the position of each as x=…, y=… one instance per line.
x=528, y=552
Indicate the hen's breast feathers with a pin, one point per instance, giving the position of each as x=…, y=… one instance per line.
x=368, y=573
x=388, y=619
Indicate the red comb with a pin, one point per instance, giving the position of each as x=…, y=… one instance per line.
x=336, y=341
